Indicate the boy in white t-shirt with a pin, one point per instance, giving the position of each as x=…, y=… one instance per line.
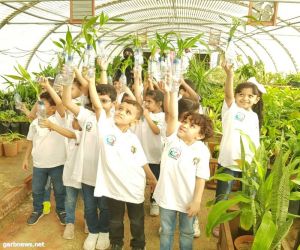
x=86, y=166
x=184, y=169
x=49, y=155
x=122, y=171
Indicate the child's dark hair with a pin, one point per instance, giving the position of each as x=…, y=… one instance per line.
x=203, y=121
x=156, y=95
x=124, y=97
x=137, y=106
x=48, y=97
x=106, y=89
x=186, y=105
x=258, y=107
x=76, y=82
x=188, y=82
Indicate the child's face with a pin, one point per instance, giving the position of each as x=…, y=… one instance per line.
x=75, y=91
x=246, y=99
x=125, y=114
x=151, y=105
x=50, y=110
x=189, y=132
x=106, y=102
x=118, y=86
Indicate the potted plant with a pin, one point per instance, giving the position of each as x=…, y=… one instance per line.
x=10, y=145
x=264, y=198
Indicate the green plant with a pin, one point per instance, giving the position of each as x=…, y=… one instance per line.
x=130, y=40
x=114, y=66
x=163, y=43
x=188, y=42
x=10, y=137
x=125, y=64
x=199, y=74
x=264, y=199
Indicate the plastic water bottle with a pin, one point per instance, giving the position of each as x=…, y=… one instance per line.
x=41, y=112
x=123, y=79
x=89, y=61
x=176, y=69
x=230, y=54
x=18, y=101
x=58, y=82
x=100, y=49
x=109, y=80
x=68, y=77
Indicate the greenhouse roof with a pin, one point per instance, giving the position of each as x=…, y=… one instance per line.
x=28, y=28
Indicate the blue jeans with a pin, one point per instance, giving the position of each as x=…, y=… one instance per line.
x=96, y=222
x=168, y=225
x=39, y=181
x=70, y=203
x=47, y=190
x=225, y=187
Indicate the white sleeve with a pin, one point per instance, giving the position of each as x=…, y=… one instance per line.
x=32, y=130
x=203, y=171
x=83, y=115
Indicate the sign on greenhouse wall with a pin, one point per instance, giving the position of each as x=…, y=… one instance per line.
x=263, y=13
x=79, y=9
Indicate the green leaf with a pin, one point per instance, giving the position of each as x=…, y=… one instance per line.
x=116, y=19
x=281, y=233
x=24, y=73
x=296, y=181
x=15, y=77
x=58, y=44
x=224, y=177
x=246, y=219
x=295, y=196
x=265, y=233
x=219, y=210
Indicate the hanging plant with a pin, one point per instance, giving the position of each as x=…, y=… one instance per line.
x=125, y=64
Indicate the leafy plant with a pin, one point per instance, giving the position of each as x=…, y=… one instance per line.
x=125, y=64
x=130, y=40
x=264, y=198
x=10, y=137
x=163, y=43
x=114, y=66
x=188, y=42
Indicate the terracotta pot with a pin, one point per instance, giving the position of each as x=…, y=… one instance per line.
x=10, y=149
x=22, y=143
x=244, y=242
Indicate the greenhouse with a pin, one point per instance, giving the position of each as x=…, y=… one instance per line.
x=150, y=124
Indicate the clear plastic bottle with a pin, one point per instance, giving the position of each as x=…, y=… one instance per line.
x=176, y=69
x=58, y=82
x=41, y=111
x=89, y=61
x=68, y=77
x=123, y=79
x=18, y=101
x=100, y=49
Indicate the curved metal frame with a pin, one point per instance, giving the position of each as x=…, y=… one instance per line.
x=112, y=3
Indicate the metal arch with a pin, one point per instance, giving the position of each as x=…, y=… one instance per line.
x=17, y=12
x=216, y=12
x=40, y=43
x=199, y=30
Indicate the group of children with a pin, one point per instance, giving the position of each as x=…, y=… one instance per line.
x=109, y=148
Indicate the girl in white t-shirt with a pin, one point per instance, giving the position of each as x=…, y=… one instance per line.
x=241, y=112
x=184, y=169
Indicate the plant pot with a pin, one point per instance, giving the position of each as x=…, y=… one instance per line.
x=244, y=242
x=10, y=149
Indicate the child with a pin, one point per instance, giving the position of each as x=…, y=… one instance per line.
x=72, y=187
x=242, y=111
x=121, y=171
x=150, y=130
x=85, y=170
x=44, y=144
x=184, y=169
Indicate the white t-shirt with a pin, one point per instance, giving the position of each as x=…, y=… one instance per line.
x=72, y=151
x=48, y=147
x=152, y=143
x=81, y=100
x=234, y=120
x=180, y=165
x=88, y=153
x=120, y=175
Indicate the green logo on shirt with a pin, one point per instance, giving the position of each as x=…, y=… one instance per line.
x=174, y=153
